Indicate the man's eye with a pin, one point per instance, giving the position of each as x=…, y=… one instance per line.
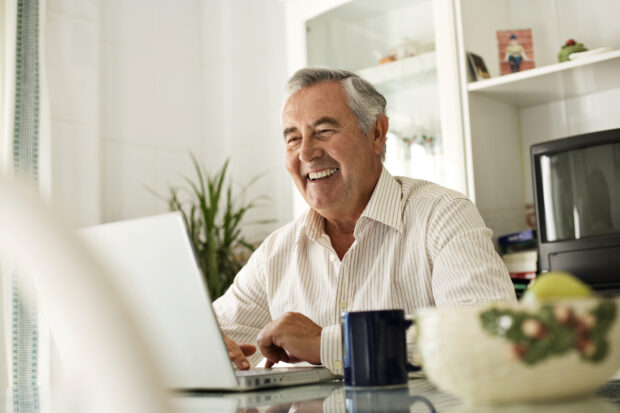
x=292, y=140
x=325, y=132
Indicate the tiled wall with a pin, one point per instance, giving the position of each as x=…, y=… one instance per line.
x=136, y=84
x=72, y=62
x=151, y=85
x=245, y=72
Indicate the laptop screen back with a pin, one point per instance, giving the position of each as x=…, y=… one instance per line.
x=154, y=266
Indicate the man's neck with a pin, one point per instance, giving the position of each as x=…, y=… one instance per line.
x=340, y=235
x=340, y=228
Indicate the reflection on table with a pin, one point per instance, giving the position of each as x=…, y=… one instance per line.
x=418, y=395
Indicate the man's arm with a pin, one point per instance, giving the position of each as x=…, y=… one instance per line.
x=291, y=338
x=243, y=311
x=294, y=337
x=466, y=267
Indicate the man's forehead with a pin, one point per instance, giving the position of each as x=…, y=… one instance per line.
x=312, y=103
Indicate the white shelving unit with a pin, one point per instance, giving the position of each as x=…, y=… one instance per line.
x=554, y=82
x=503, y=116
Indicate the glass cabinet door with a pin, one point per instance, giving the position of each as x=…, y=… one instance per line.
x=391, y=43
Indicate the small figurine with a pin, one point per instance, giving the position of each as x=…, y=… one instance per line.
x=571, y=46
x=515, y=54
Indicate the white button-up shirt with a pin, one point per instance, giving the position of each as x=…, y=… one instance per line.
x=417, y=244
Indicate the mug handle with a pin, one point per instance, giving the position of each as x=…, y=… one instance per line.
x=424, y=400
x=408, y=322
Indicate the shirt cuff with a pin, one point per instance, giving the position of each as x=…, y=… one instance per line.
x=331, y=349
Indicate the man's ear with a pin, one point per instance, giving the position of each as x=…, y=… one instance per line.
x=379, y=132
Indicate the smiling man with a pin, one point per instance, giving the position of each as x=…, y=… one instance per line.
x=369, y=240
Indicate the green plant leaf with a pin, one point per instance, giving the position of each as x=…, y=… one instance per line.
x=214, y=215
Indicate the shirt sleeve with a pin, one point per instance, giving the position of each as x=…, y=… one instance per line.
x=243, y=310
x=466, y=267
x=331, y=349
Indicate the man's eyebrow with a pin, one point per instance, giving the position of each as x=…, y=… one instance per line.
x=326, y=119
x=320, y=121
x=289, y=130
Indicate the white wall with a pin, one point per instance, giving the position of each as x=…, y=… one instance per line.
x=137, y=84
x=72, y=62
x=245, y=72
x=194, y=75
x=151, y=82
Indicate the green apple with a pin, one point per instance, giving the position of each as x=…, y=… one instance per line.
x=556, y=285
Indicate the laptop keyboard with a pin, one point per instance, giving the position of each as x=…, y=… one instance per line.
x=260, y=371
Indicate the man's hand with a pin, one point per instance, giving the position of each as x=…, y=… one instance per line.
x=291, y=338
x=238, y=352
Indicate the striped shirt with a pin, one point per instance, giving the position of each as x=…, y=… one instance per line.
x=417, y=244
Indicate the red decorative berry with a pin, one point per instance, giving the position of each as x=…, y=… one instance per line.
x=519, y=350
x=570, y=42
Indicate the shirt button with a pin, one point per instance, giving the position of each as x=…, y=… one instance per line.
x=343, y=305
x=337, y=364
x=332, y=258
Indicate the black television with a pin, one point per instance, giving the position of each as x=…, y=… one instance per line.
x=577, y=203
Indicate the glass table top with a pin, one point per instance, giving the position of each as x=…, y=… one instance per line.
x=418, y=395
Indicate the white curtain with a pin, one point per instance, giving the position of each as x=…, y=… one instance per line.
x=24, y=361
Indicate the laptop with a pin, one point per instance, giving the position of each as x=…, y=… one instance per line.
x=154, y=265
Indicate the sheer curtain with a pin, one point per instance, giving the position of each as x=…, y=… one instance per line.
x=24, y=363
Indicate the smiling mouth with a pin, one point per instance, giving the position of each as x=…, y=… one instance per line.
x=314, y=176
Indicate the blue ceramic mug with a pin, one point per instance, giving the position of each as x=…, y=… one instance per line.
x=374, y=347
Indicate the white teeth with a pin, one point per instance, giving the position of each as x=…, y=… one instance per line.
x=322, y=174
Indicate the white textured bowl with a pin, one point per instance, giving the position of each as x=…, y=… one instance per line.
x=482, y=365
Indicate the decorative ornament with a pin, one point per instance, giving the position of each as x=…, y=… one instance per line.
x=571, y=46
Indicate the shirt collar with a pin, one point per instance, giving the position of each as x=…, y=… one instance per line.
x=385, y=206
x=313, y=225
x=386, y=202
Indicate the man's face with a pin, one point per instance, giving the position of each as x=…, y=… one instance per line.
x=334, y=165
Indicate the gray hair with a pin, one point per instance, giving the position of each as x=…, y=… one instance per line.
x=364, y=100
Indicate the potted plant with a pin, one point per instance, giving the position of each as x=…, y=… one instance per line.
x=213, y=217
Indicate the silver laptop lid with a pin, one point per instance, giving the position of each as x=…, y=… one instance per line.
x=154, y=266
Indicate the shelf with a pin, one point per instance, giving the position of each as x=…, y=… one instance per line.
x=402, y=74
x=586, y=75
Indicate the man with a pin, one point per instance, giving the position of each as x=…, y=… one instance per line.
x=369, y=240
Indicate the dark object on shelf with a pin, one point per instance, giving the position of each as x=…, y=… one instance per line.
x=520, y=286
x=518, y=241
x=477, y=68
x=571, y=46
x=577, y=209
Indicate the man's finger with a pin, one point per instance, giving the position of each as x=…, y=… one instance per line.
x=236, y=355
x=247, y=349
x=274, y=354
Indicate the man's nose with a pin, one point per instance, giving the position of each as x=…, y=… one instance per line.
x=310, y=149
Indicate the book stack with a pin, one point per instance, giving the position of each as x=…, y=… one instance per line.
x=520, y=254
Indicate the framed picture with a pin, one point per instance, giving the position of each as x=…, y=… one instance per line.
x=516, y=50
x=477, y=68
